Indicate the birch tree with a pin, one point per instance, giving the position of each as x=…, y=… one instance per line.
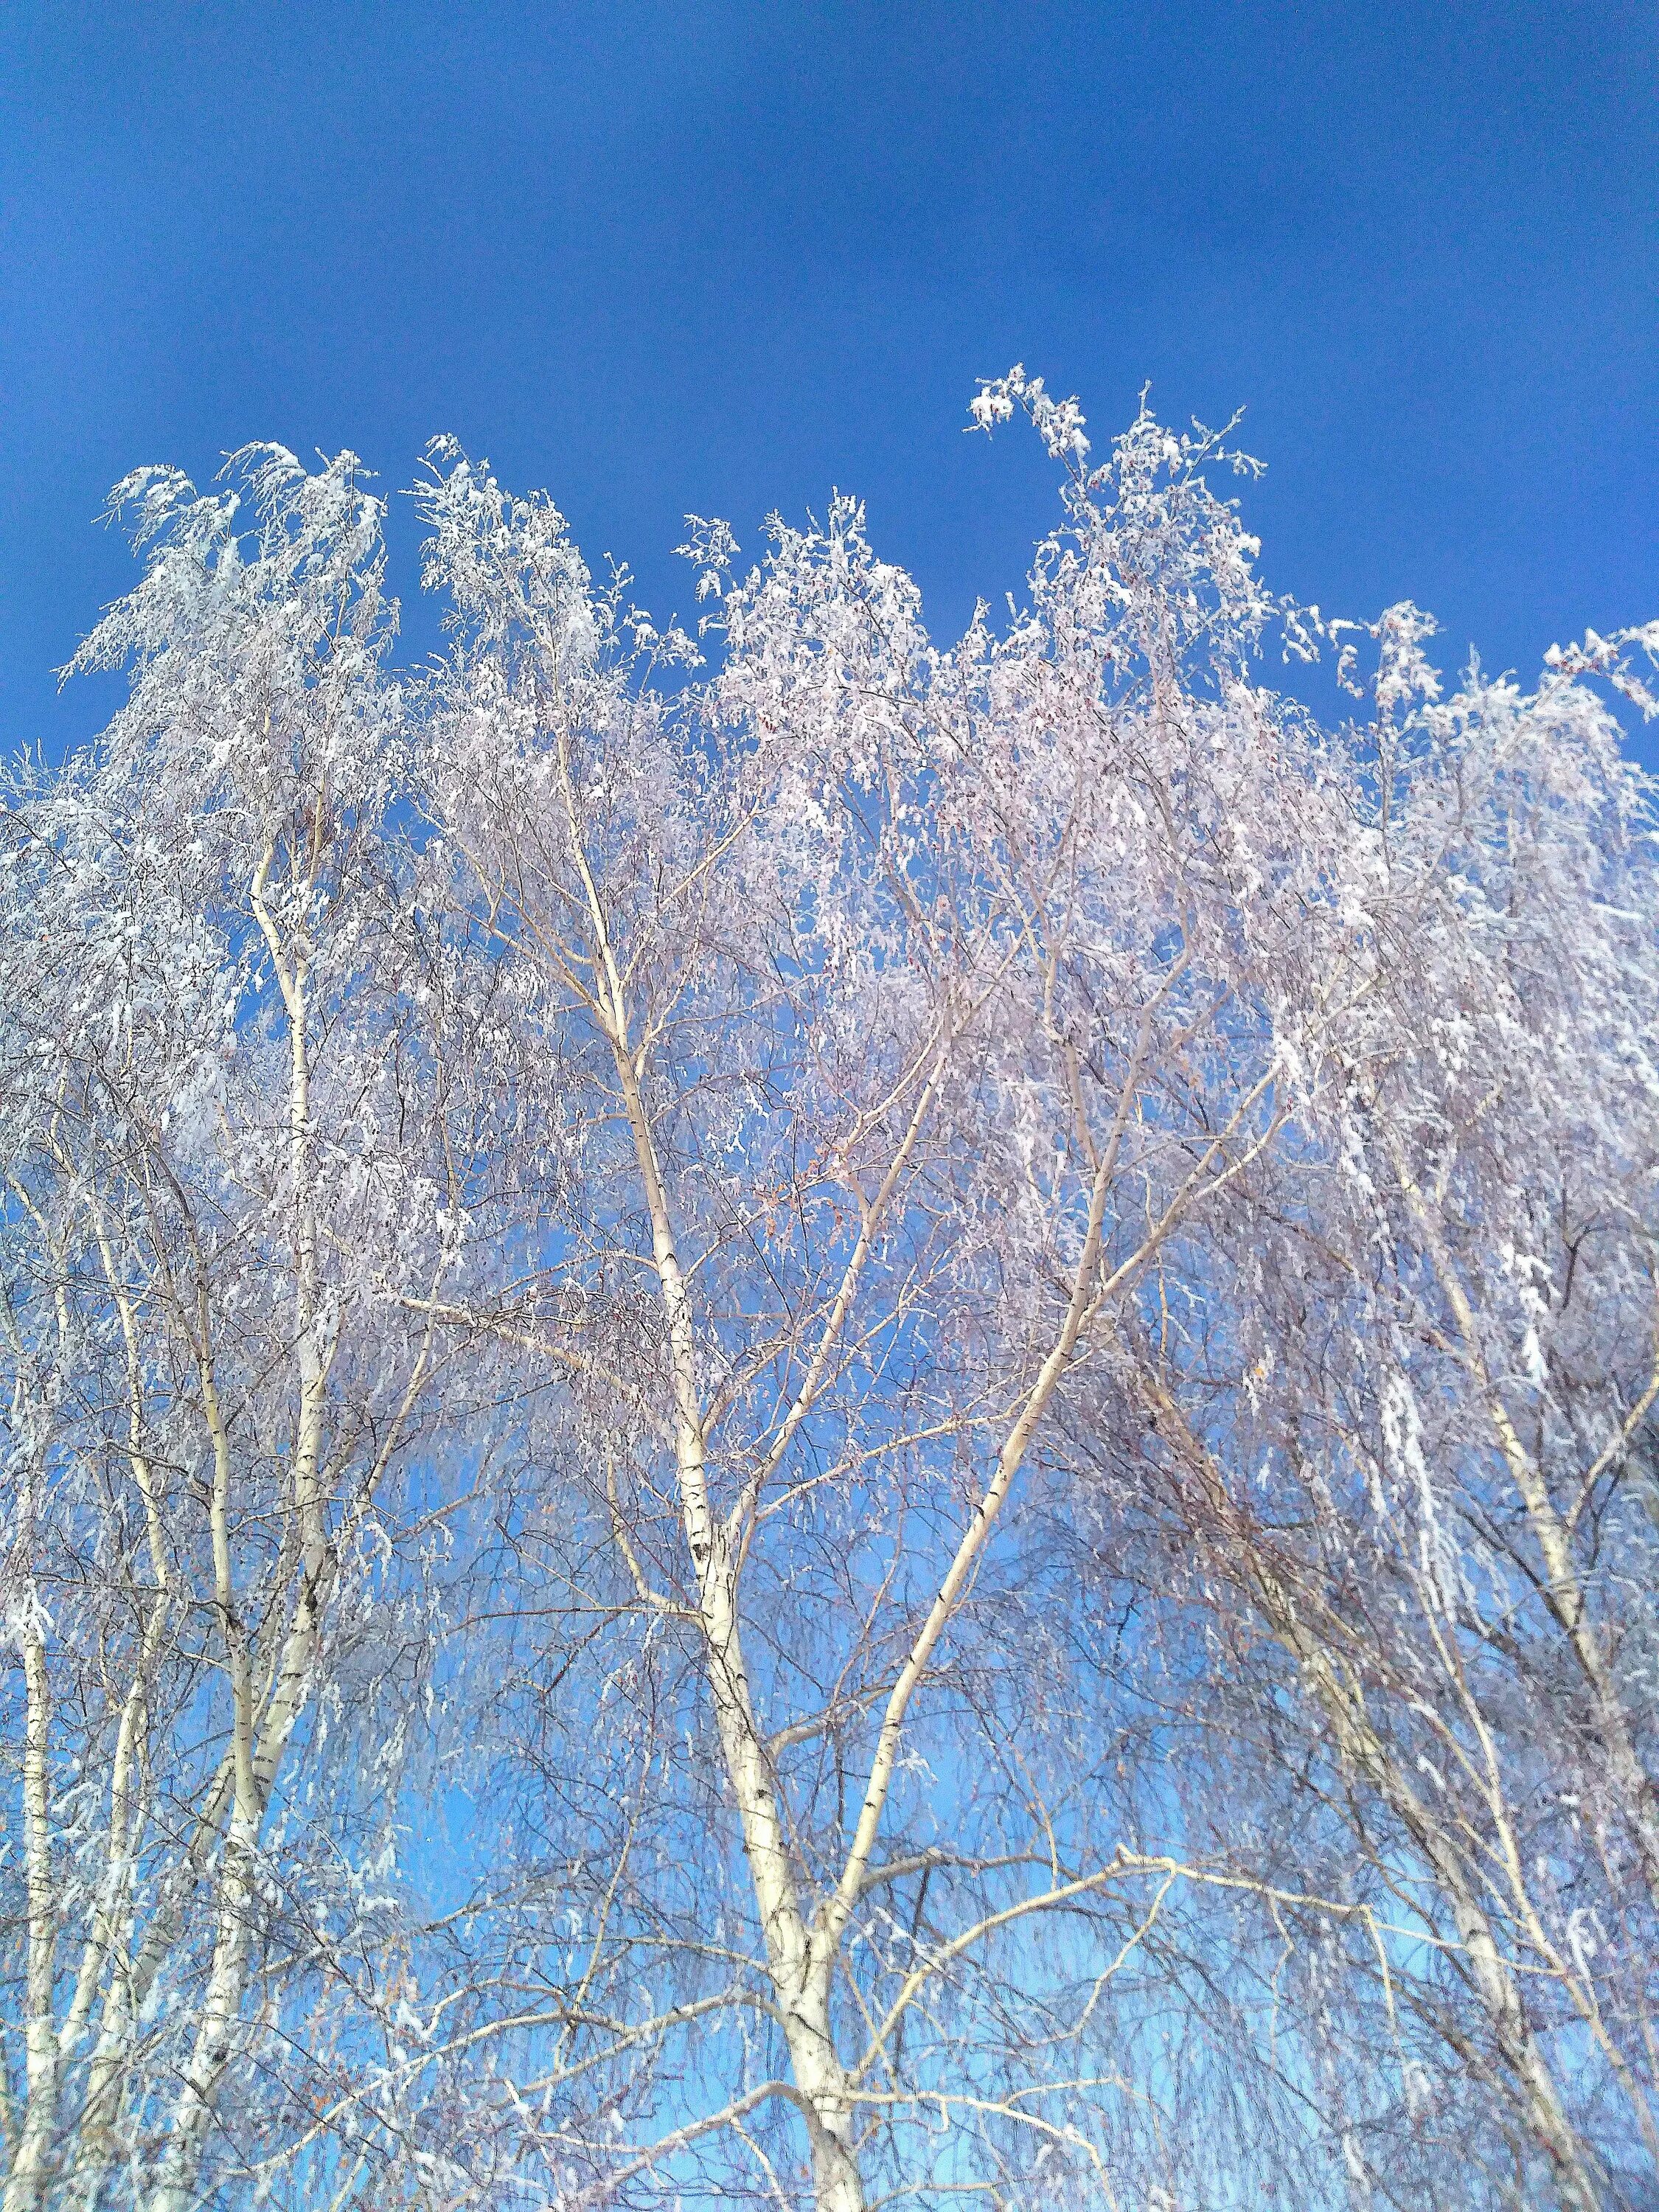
x=887, y=995
x=810, y=1418
x=218, y=1141
x=1404, y=1409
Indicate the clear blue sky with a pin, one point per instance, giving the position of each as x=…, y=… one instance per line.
x=722, y=257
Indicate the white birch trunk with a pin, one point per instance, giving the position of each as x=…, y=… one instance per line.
x=254, y=1762
x=31, y=2167
x=802, y=1987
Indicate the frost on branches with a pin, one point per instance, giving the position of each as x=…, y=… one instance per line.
x=807, y=1419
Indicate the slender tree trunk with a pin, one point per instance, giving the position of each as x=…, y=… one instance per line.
x=25, y=2185
x=802, y=1990
x=222, y=2004
x=255, y=1762
x=221, y=2010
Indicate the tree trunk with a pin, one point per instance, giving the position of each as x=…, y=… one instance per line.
x=801, y=1982
x=25, y=2185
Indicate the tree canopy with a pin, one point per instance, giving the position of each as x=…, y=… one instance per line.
x=799, y=1418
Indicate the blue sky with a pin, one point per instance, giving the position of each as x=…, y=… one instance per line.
x=724, y=257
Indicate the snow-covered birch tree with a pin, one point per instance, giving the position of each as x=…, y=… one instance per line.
x=222, y=1145
x=866, y=1422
